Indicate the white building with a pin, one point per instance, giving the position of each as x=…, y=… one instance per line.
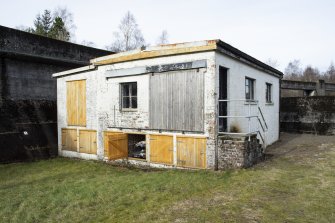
x=166, y=105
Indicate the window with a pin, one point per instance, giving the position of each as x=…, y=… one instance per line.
x=249, y=88
x=268, y=96
x=128, y=96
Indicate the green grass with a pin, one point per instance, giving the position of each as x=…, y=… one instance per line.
x=288, y=188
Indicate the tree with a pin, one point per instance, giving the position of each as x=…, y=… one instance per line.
x=88, y=43
x=58, y=30
x=128, y=36
x=330, y=73
x=67, y=18
x=272, y=62
x=163, y=38
x=57, y=26
x=293, y=70
x=310, y=74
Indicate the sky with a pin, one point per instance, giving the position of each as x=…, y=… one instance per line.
x=278, y=30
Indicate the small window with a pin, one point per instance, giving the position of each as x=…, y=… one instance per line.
x=129, y=95
x=268, y=93
x=249, y=88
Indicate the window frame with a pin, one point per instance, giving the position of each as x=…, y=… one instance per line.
x=251, y=89
x=130, y=108
x=268, y=93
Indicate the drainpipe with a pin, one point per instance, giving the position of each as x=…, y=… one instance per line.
x=216, y=164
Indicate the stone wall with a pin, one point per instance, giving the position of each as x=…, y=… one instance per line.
x=308, y=115
x=239, y=152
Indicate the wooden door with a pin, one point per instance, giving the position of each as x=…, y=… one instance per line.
x=69, y=139
x=116, y=145
x=81, y=116
x=88, y=141
x=191, y=152
x=76, y=102
x=161, y=149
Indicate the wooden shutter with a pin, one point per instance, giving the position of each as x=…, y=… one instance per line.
x=76, y=102
x=81, y=86
x=69, y=139
x=191, y=152
x=116, y=145
x=161, y=149
x=88, y=141
x=71, y=102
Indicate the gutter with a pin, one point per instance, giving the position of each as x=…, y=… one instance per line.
x=74, y=71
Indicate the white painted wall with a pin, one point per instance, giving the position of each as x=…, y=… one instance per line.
x=103, y=96
x=236, y=90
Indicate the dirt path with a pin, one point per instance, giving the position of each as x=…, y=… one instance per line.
x=299, y=145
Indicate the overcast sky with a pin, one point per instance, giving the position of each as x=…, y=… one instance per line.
x=281, y=30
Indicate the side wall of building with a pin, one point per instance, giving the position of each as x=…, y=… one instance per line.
x=237, y=72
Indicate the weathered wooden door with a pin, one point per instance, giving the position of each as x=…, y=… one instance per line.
x=161, y=149
x=88, y=141
x=191, y=152
x=76, y=102
x=116, y=145
x=69, y=139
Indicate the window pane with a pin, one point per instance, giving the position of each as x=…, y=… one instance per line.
x=125, y=89
x=125, y=102
x=134, y=102
x=251, y=89
x=134, y=89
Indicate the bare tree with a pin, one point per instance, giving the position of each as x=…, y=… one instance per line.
x=293, y=70
x=272, y=62
x=88, y=43
x=128, y=36
x=163, y=38
x=330, y=73
x=310, y=74
x=67, y=18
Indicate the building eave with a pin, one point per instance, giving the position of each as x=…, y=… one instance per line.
x=237, y=54
x=157, y=51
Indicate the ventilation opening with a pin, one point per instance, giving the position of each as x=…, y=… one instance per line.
x=136, y=146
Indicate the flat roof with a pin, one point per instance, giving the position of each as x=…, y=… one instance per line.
x=180, y=48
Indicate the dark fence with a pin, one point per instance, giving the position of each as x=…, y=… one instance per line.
x=308, y=114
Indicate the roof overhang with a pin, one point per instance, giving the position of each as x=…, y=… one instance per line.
x=177, y=49
x=157, y=51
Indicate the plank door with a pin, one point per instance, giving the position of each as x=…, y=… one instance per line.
x=69, y=139
x=71, y=102
x=161, y=149
x=76, y=102
x=116, y=145
x=88, y=141
x=191, y=152
x=81, y=88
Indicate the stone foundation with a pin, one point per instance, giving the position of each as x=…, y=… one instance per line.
x=239, y=152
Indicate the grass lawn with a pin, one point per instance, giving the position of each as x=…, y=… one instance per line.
x=296, y=185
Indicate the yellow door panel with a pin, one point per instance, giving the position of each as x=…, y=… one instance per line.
x=161, y=149
x=87, y=141
x=116, y=146
x=69, y=139
x=191, y=152
x=76, y=102
x=81, y=87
